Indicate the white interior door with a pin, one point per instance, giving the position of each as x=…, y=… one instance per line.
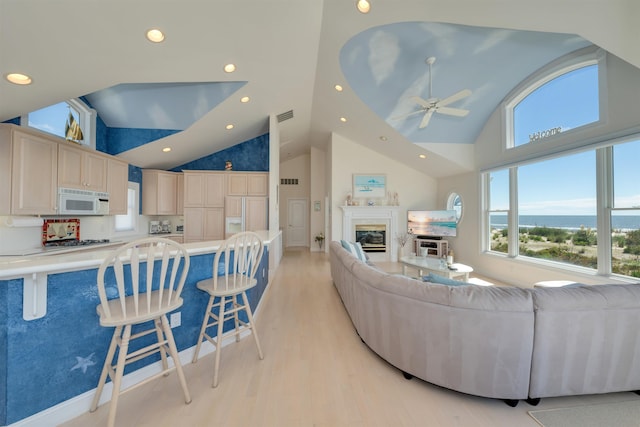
x=297, y=233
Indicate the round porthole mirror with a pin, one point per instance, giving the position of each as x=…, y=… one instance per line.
x=454, y=202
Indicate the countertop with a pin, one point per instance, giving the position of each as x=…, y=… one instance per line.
x=79, y=258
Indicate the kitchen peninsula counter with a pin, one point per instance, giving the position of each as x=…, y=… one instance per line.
x=49, y=302
x=82, y=258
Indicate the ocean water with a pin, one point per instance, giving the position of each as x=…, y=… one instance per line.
x=568, y=222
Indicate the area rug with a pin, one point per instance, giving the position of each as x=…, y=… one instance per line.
x=621, y=414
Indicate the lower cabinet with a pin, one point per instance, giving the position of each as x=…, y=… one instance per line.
x=202, y=224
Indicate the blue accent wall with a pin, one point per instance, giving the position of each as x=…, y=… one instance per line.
x=251, y=155
x=15, y=121
x=4, y=301
x=46, y=361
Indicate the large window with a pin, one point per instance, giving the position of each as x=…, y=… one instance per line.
x=625, y=212
x=578, y=208
x=498, y=212
x=557, y=209
x=562, y=216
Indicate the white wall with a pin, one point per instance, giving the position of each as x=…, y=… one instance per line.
x=274, y=173
x=623, y=84
x=415, y=190
x=317, y=192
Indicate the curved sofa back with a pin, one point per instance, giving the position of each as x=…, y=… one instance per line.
x=587, y=340
x=474, y=339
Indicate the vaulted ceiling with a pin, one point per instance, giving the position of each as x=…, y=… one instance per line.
x=289, y=56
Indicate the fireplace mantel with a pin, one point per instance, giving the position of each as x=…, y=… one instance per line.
x=352, y=215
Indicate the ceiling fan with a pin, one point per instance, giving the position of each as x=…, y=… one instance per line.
x=436, y=105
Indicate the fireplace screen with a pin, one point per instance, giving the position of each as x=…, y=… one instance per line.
x=372, y=237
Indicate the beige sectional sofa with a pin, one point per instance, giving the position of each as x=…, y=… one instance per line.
x=501, y=342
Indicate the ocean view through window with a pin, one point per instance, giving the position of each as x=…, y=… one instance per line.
x=558, y=218
x=563, y=199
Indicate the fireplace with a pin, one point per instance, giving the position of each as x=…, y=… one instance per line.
x=376, y=225
x=372, y=237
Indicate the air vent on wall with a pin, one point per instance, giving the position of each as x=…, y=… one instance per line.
x=285, y=116
x=288, y=181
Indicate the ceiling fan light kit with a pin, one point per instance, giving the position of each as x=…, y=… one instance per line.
x=436, y=105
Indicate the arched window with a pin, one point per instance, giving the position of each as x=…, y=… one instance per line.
x=545, y=106
x=454, y=203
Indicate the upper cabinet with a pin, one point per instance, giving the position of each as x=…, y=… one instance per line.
x=29, y=173
x=180, y=195
x=159, y=192
x=203, y=189
x=81, y=168
x=247, y=184
x=118, y=186
x=33, y=164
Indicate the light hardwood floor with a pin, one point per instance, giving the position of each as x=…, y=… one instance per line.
x=316, y=372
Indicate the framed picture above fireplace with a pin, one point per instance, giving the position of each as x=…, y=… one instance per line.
x=369, y=186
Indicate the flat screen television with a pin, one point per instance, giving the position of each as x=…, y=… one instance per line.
x=432, y=223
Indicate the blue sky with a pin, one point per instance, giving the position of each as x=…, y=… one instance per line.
x=567, y=185
x=51, y=119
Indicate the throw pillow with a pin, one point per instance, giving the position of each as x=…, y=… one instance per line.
x=355, y=249
x=434, y=278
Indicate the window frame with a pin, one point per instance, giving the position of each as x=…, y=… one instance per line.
x=582, y=58
x=604, y=207
x=132, y=212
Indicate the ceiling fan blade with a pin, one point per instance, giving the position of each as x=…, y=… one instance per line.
x=404, y=116
x=455, y=97
x=458, y=112
x=420, y=101
x=425, y=119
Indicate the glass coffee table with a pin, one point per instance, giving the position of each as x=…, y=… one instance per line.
x=435, y=265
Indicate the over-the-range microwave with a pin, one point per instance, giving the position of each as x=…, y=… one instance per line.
x=72, y=201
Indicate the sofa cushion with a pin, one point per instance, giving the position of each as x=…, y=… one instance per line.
x=434, y=278
x=355, y=249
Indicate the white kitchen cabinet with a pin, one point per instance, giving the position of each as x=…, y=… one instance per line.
x=117, y=186
x=247, y=183
x=34, y=173
x=233, y=206
x=81, y=168
x=203, y=205
x=159, y=192
x=255, y=213
x=257, y=184
x=180, y=195
x=202, y=224
x=203, y=189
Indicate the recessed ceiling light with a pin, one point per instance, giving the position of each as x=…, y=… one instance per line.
x=229, y=127
x=338, y=88
x=422, y=156
x=383, y=138
x=363, y=6
x=244, y=99
x=229, y=68
x=343, y=119
x=19, y=79
x=155, y=35
x=166, y=149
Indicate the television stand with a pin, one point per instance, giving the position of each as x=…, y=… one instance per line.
x=433, y=247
